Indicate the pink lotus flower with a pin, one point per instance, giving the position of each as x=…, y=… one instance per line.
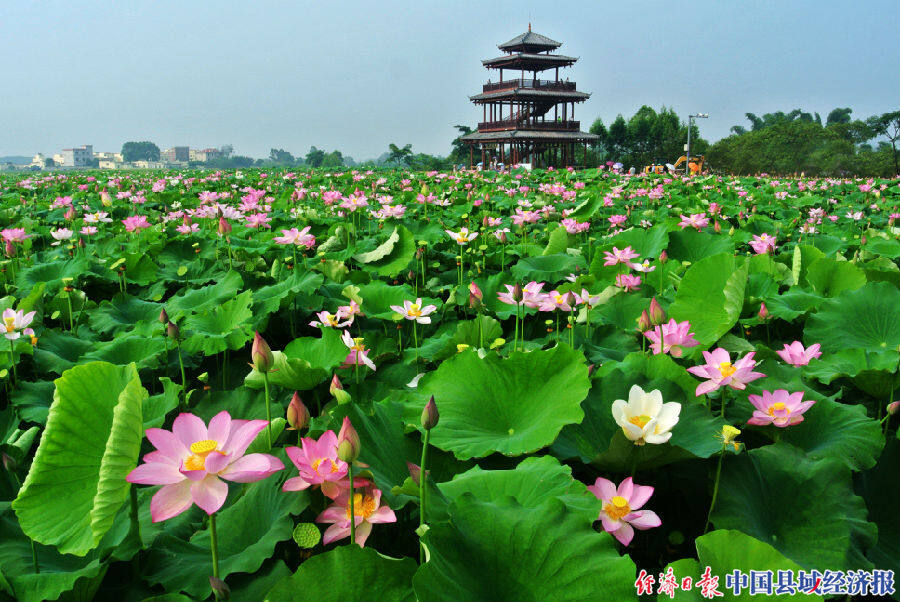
x=720, y=371
x=135, y=222
x=673, y=336
x=555, y=300
x=779, y=408
x=415, y=311
x=14, y=234
x=60, y=235
x=620, y=514
x=367, y=510
x=358, y=352
x=763, y=244
x=628, y=282
x=300, y=238
x=624, y=256
x=15, y=323
x=191, y=460
x=463, y=237
x=695, y=220
x=318, y=464
x=188, y=228
x=795, y=355
x=331, y=320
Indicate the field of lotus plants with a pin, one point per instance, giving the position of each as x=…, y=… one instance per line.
x=549, y=385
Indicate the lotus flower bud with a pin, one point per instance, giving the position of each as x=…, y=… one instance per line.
x=9, y=464
x=163, y=316
x=475, y=296
x=70, y=213
x=335, y=385
x=173, y=331
x=657, y=314
x=186, y=220
x=10, y=249
x=763, y=312
x=503, y=238
x=517, y=294
x=348, y=442
x=644, y=323
x=591, y=370
x=261, y=355
x=430, y=415
x=415, y=472
x=893, y=408
x=863, y=240
x=297, y=414
x=220, y=589
x=224, y=227
x=717, y=227
x=663, y=257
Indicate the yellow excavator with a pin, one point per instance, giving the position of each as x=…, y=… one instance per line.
x=695, y=166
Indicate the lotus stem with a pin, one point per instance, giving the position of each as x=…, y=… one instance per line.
x=422, y=494
x=268, y=412
x=712, y=504
x=352, y=509
x=12, y=359
x=71, y=316
x=183, y=379
x=416, y=343
x=34, y=560
x=214, y=546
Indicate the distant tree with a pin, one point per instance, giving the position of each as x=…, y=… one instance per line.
x=617, y=138
x=315, y=157
x=333, y=159
x=280, y=156
x=399, y=155
x=227, y=150
x=887, y=125
x=599, y=130
x=459, y=153
x=838, y=116
x=140, y=151
x=48, y=162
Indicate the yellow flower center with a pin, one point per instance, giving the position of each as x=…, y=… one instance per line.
x=559, y=299
x=318, y=462
x=363, y=506
x=639, y=421
x=331, y=319
x=414, y=310
x=617, y=508
x=727, y=369
x=358, y=344
x=10, y=322
x=778, y=405
x=199, y=451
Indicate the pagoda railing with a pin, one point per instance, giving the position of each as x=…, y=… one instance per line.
x=536, y=84
x=516, y=124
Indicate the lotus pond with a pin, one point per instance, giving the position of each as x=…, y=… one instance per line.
x=556, y=385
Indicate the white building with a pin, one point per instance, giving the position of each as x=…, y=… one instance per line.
x=107, y=156
x=78, y=157
x=38, y=161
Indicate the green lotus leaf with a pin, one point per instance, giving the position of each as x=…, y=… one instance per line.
x=92, y=440
x=511, y=406
x=268, y=299
x=558, y=241
x=725, y=551
x=691, y=246
x=397, y=257
x=348, y=573
x=142, y=351
x=848, y=363
x=32, y=400
x=51, y=273
x=792, y=304
x=57, y=351
x=867, y=318
x=378, y=297
x=836, y=430
x=196, y=300
x=127, y=314
x=248, y=532
x=881, y=489
x=551, y=268
x=223, y=327
x=779, y=496
x=491, y=549
x=830, y=277
x=711, y=296
x=59, y=573
x=381, y=250
x=803, y=257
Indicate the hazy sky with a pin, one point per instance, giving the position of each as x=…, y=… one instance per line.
x=357, y=75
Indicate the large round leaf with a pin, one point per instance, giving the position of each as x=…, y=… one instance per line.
x=304, y=363
x=512, y=406
x=831, y=277
x=491, y=551
x=711, y=296
x=92, y=440
x=223, y=327
x=348, y=573
x=780, y=497
x=867, y=318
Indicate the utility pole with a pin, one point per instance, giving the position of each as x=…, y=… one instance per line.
x=687, y=147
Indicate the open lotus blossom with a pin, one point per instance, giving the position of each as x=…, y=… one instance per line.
x=644, y=418
x=191, y=459
x=329, y=320
x=14, y=234
x=721, y=372
x=671, y=337
x=695, y=220
x=358, y=352
x=135, y=222
x=556, y=300
x=367, y=509
x=15, y=323
x=415, y=311
x=293, y=236
x=796, y=355
x=463, y=237
x=616, y=256
x=318, y=464
x=621, y=513
x=778, y=407
x=60, y=235
x=628, y=282
x=585, y=298
x=763, y=244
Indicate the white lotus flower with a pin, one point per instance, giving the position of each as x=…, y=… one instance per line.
x=644, y=418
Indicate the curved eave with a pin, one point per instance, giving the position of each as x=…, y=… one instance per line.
x=529, y=93
x=529, y=61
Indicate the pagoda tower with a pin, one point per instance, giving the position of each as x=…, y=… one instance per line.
x=526, y=119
